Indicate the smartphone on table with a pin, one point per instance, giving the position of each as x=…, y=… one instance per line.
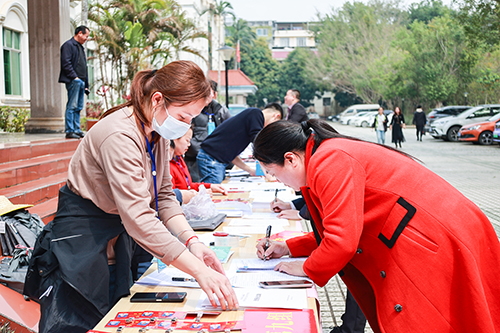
x=175, y=297
x=286, y=284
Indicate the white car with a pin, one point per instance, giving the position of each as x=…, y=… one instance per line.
x=357, y=108
x=447, y=128
x=346, y=120
x=365, y=120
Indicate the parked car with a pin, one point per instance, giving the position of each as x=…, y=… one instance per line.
x=313, y=115
x=445, y=111
x=356, y=108
x=346, y=120
x=367, y=119
x=481, y=133
x=364, y=120
x=333, y=117
x=234, y=109
x=447, y=128
x=496, y=133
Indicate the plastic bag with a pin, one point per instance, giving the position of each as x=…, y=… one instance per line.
x=200, y=207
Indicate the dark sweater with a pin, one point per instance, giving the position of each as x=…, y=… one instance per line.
x=231, y=137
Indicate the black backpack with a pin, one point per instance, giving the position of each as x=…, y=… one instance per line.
x=18, y=239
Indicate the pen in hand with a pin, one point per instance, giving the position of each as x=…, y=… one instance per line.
x=276, y=209
x=266, y=246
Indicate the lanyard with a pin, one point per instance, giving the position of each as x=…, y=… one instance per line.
x=176, y=159
x=151, y=147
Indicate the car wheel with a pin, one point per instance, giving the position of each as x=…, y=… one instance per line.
x=452, y=134
x=364, y=124
x=486, y=138
x=348, y=122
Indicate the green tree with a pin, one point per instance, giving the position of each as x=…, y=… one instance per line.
x=294, y=74
x=485, y=85
x=426, y=10
x=356, y=51
x=481, y=21
x=262, y=69
x=132, y=35
x=240, y=31
x=434, y=56
x=217, y=11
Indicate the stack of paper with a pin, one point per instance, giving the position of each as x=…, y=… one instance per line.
x=264, y=298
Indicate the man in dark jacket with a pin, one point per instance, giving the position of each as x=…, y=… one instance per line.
x=296, y=112
x=203, y=125
x=419, y=120
x=75, y=75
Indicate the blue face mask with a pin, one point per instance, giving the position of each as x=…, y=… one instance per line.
x=171, y=128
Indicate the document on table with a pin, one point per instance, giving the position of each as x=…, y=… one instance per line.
x=250, y=230
x=251, y=279
x=263, y=298
x=164, y=278
x=256, y=264
x=261, y=216
x=259, y=222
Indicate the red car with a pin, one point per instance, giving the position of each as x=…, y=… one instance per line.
x=481, y=133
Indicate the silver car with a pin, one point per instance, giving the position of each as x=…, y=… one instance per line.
x=447, y=128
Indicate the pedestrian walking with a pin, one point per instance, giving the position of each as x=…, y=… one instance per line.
x=412, y=260
x=419, y=120
x=397, y=125
x=74, y=75
x=380, y=125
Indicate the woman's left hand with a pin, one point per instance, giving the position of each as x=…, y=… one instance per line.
x=291, y=267
x=217, y=188
x=207, y=256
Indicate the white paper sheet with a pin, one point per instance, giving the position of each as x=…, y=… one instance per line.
x=164, y=278
x=263, y=216
x=259, y=264
x=263, y=298
x=251, y=230
x=252, y=279
x=258, y=222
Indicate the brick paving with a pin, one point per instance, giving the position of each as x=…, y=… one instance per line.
x=473, y=169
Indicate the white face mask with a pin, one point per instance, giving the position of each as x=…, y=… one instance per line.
x=171, y=128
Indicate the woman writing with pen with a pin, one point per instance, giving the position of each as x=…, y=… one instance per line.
x=411, y=259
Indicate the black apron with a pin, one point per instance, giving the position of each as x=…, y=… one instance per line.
x=68, y=272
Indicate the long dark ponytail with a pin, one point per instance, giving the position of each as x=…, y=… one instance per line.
x=283, y=136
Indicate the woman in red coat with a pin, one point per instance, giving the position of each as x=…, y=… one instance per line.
x=181, y=178
x=416, y=254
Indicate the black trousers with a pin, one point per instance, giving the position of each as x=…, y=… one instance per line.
x=353, y=319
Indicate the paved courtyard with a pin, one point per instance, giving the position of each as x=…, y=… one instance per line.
x=472, y=169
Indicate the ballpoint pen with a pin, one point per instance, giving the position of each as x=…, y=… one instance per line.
x=268, y=234
x=276, y=209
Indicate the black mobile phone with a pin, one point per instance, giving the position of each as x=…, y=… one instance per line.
x=286, y=284
x=176, y=297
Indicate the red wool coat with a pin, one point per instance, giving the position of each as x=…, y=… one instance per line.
x=416, y=254
x=181, y=178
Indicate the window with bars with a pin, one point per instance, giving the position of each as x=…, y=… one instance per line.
x=12, y=61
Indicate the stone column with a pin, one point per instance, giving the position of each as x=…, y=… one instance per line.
x=49, y=28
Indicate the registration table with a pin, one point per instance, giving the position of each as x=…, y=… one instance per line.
x=246, y=250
